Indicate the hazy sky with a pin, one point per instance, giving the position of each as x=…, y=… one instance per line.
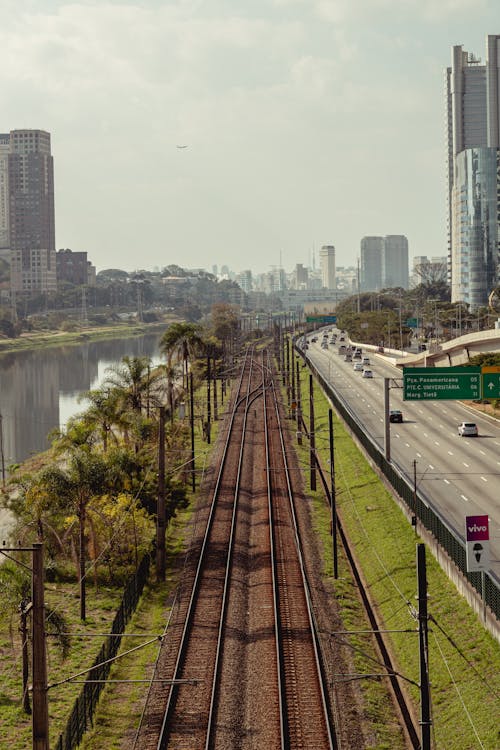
x=308, y=122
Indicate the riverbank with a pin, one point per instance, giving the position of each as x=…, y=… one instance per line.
x=43, y=339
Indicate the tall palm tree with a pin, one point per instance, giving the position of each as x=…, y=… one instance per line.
x=133, y=381
x=83, y=478
x=181, y=341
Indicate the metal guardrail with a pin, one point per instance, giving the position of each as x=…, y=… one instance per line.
x=84, y=707
x=417, y=502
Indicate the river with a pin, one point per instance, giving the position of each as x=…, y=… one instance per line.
x=39, y=390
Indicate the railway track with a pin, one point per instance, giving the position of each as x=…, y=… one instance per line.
x=244, y=639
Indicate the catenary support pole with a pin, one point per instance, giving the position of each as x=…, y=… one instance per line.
x=333, y=496
x=191, y=419
x=425, y=717
x=40, y=716
x=161, y=513
x=312, y=439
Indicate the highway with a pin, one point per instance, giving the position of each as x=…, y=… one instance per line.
x=459, y=476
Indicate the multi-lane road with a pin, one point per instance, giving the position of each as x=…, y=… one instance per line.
x=459, y=476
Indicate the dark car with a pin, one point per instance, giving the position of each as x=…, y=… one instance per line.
x=395, y=416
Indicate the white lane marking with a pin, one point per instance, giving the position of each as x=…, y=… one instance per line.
x=431, y=466
x=397, y=434
x=436, y=442
x=484, y=479
x=447, y=482
x=420, y=411
x=495, y=443
x=419, y=455
x=425, y=434
x=407, y=445
x=467, y=465
x=450, y=453
x=442, y=426
x=464, y=498
x=484, y=454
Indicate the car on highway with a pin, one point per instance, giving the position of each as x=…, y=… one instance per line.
x=357, y=354
x=366, y=361
x=348, y=357
x=367, y=374
x=468, y=429
x=358, y=367
x=395, y=415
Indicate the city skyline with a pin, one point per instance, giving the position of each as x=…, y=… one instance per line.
x=306, y=124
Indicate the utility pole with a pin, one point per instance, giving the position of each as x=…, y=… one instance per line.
x=2, y=456
x=191, y=420
x=209, y=405
x=40, y=717
x=288, y=371
x=215, y=392
x=425, y=716
x=299, y=406
x=333, y=507
x=161, y=511
x=387, y=424
x=312, y=439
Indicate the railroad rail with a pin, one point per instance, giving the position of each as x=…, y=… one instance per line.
x=246, y=640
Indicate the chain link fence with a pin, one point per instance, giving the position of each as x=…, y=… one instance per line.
x=82, y=713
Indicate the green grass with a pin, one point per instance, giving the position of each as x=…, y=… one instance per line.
x=15, y=725
x=464, y=660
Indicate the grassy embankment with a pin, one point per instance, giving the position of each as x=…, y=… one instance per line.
x=120, y=705
x=464, y=660
x=43, y=339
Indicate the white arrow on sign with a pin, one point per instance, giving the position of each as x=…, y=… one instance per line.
x=491, y=385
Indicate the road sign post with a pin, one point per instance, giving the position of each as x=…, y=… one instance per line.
x=478, y=545
x=432, y=383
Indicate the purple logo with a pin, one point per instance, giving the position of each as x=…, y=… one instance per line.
x=476, y=528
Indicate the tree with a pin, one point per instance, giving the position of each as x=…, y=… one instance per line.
x=181, y=341
x=133, y=381
x=83, y=478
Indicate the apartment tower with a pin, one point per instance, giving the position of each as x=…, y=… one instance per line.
x=31, y=235
x=327, y=265
x=473, y=139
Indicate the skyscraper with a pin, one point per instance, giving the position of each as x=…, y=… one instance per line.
x=327, y=264
x=31, y=222
x=473, y=116
x=4, y=195
x=371, y=263
x=395, y=261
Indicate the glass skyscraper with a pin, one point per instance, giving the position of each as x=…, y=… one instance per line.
x=472, y=91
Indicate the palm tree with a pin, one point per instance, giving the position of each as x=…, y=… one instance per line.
x=181, y=341
x=132, y=381
x=83, y=478
x=103, y=413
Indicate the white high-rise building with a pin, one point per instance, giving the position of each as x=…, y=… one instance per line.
x=327, y=265
x=473, y=117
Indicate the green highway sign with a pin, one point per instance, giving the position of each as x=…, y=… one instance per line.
x=431, y=383
x=491, y=382
x=412, y=322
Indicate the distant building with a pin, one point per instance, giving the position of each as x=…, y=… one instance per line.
x=395, y=261
x=473, y=117
x=30, y=220
x=75, y=268
x=327, y=265
x=371, y=263
x=301, y=277
x=4, y=196
x=244, y=279
x=384, y=262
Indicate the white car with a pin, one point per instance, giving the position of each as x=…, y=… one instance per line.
x=366, y=361
x=367, y=374
x=468, y=429
x=358, y=367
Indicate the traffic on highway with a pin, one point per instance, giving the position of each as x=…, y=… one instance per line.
x=455, y=447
